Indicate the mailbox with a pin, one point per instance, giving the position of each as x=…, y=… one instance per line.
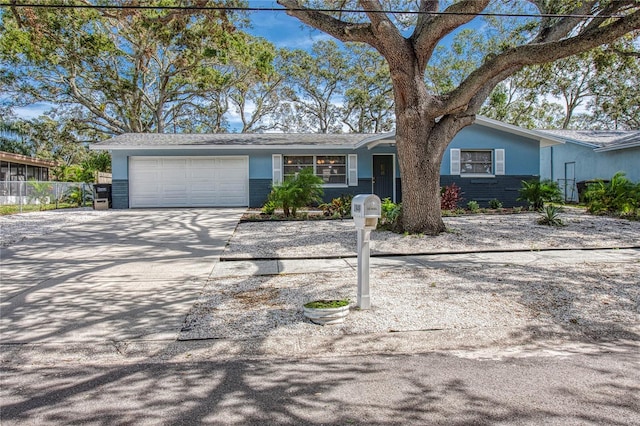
x=366, y=210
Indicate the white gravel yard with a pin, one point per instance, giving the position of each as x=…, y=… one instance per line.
x=585, y=298
x=465, y=233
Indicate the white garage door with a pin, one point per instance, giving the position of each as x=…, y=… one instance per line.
x=188, y=181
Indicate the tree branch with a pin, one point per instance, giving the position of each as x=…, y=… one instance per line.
x=344, y=31
x=536, y=53
x=430, y=30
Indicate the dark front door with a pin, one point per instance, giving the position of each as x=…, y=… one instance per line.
x=383, y=176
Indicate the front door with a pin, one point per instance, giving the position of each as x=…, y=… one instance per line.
x=383, y=176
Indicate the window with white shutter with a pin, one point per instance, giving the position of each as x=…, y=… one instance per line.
x=276, y=159
x=353, y=170
x=455, y=161
x=500, y=167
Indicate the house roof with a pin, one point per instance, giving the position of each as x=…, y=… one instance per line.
x=229, y=140
x=289, y=140
x=599, y=140
x=23, y=159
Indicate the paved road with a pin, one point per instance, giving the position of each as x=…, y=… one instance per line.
x=463, y=387
x=109, y=355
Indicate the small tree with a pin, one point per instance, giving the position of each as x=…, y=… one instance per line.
x=302, y=189
x=537, y=192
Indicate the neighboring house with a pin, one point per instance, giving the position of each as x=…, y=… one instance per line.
x=16, y=167
x=589, y=155
x=487, y=160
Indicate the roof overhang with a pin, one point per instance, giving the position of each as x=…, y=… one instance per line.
x=214, y=147
x=618, y=147
x=23, y=159
x=544, y=139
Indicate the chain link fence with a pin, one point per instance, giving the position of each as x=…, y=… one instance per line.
x=39, y=193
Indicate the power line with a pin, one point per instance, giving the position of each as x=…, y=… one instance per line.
x=301, y=9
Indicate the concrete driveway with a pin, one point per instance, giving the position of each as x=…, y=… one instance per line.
x=129, y=274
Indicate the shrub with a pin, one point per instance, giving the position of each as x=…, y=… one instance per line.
x=390, y=214
x=77, y=195
x=618, y=196
x=550, y=216
x=303, y=189
x=338, y=207
x=41, y=192
x=450, y=196
x=269, y=207
x=473, y=206
x=495, y=204
x=537, y=193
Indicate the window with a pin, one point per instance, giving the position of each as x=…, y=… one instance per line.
x=331, y=168
x=477, y=162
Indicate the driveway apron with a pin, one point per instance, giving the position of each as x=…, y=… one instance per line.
x=130, y=274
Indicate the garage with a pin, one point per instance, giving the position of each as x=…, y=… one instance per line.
x=189, y=181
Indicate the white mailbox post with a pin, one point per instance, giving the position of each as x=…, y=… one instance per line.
x=366, y=210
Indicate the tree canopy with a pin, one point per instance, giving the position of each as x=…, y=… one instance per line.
x=427, y=119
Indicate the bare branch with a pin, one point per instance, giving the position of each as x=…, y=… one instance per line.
x=344, y=31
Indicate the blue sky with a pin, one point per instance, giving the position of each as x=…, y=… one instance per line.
x=281, y=29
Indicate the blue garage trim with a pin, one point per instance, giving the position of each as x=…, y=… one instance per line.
x=120, y=194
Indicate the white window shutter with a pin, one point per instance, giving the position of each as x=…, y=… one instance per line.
x=353, y=169
x=276, y=159
x=499, y=169
x=455, y=161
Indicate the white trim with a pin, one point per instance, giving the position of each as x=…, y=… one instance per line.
x=352, y=169
x=276, y=169
x=617, y=147
x=454, y=161
x=499, y=167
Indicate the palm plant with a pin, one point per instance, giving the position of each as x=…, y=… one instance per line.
x=537, y=193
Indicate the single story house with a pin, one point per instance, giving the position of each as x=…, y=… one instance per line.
x=589, y=155
x=488, y=160
x=16, y=167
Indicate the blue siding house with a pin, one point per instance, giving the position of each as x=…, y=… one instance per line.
x=488, y=160
x=589, y=155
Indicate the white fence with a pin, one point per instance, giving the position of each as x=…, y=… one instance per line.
x=20, y=193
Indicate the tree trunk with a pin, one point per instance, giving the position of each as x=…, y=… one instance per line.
x=420, y=148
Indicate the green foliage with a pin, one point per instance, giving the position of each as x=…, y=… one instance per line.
x=78, y=196
x=327, y=304
x=73, y=173
x=134, y=70
x=495, y=204
x=338, y=207
x=269, y=207
x=450, y=196
x=41, y=192
x=303, y=189
x=473, y=206
x=537, y=193
x=550, y=216
x=390, y=215
x=618, y=196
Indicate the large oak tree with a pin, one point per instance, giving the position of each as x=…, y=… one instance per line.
x=427, y=121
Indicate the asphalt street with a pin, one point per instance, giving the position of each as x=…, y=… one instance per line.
x=463, y=387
